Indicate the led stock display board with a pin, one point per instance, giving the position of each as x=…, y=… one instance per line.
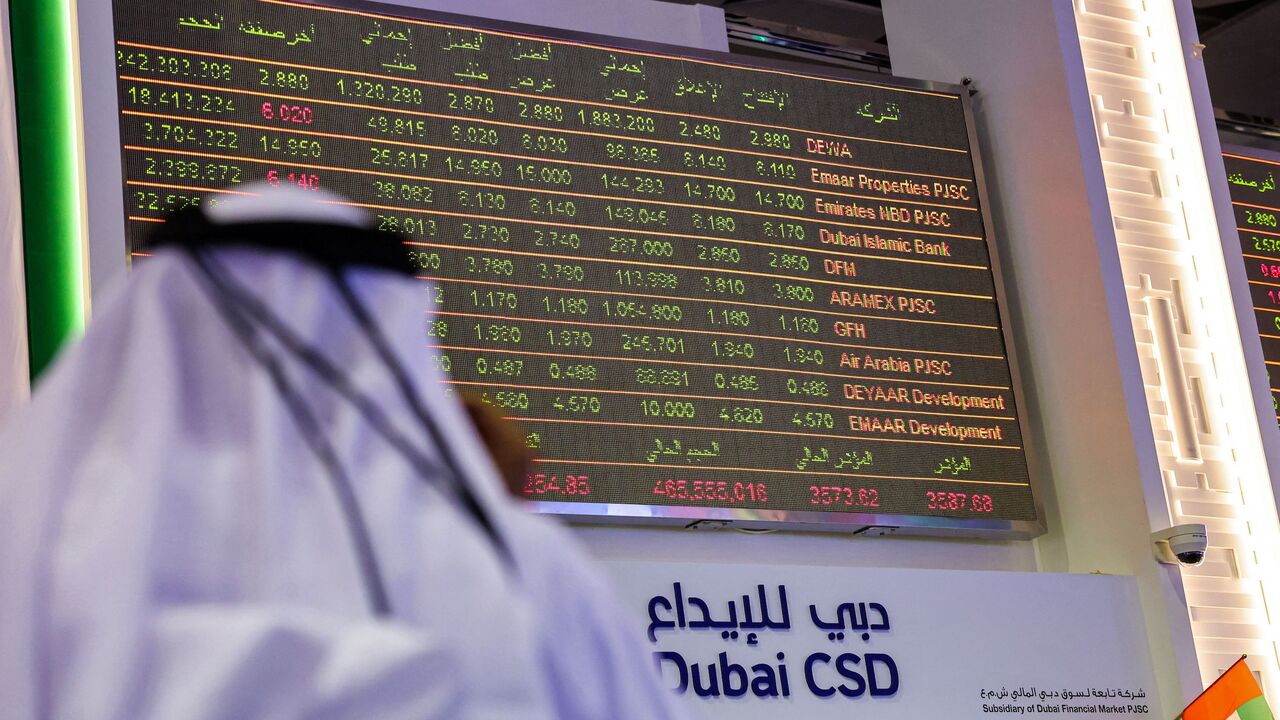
x=1255, y=200
x=705, y=289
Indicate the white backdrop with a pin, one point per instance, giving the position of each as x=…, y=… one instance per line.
x=911, y=643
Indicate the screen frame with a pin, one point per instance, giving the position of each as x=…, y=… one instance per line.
x=109, y=259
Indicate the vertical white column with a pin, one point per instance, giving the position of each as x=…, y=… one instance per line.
x=1206, y=428
x=14, y=374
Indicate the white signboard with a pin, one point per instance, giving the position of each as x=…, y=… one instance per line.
x=758, y=641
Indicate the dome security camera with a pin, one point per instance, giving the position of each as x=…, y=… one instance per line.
x=1181, y=544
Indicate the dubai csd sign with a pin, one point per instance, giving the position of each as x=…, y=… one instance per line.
x=743, y=622
x=754, y=641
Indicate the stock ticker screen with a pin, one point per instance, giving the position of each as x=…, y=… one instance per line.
x=692, y=282
x=1255, y=201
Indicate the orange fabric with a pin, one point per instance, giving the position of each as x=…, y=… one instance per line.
x=1234, y=688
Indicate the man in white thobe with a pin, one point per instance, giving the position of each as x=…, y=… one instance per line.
x=173, y=545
